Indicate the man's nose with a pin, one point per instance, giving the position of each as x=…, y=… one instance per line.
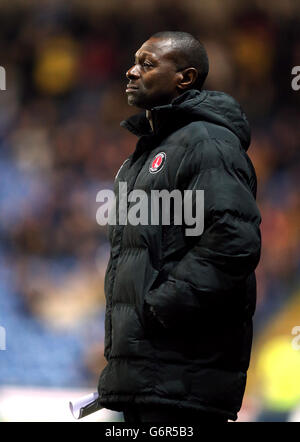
x=133, y=72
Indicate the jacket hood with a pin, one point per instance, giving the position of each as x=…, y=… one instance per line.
x=210, y=106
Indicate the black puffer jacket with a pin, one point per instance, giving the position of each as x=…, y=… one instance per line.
x=195, y=352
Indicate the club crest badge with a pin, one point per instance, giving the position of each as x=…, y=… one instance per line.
x=158, y=162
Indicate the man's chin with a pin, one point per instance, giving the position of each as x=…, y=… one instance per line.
x=133, y=101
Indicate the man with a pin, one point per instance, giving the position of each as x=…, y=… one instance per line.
x=179, y=308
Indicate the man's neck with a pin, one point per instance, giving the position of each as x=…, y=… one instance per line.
x=149, y=116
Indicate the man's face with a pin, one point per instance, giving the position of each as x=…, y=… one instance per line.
x=153, y=77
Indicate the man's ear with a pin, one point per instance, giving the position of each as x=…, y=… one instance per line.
x=187, y=77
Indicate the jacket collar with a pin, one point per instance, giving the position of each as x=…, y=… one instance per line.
x=165, y=119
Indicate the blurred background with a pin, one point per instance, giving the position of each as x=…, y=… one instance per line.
x=60, y=143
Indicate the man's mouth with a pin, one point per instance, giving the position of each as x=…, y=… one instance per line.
x=131, y=87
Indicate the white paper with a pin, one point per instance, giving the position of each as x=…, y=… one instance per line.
x=85, y=405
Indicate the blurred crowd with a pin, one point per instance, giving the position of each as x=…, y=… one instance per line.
x=60, y=143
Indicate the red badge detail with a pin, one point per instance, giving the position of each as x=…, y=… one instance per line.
x=158, y=162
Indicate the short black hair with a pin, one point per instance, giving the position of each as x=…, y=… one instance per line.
x=191, y=53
